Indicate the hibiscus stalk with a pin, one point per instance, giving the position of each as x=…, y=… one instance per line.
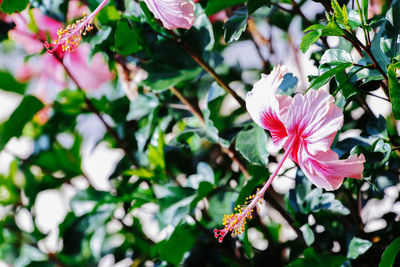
x=305, y=126
x=236, y=223
x=235, y=158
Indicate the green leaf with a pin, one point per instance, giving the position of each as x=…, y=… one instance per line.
x=156, y=152
x=140, y=172
x=332, y=29
x=324, y=78
x=309, y=39
x=174, y=203
x=221, y=203
x=364, y=9
x=311, y=258
x=85, y=201
x=394, y=89
x=142, y=106
x=357, y=247
x=307, y=234
x=70, y=102
x=127, y=37
x=335, y=57
x=11, y=6
x=390, y=254
x=64, y=159
x=236, y=25
x=204, y=174
x=163, y=77
x=8, y=83
x=28, y=107
x=213, y=6
x=340, y=14
x=385, y=149
x=252, y=145
x=181, y=241
x=346, y=88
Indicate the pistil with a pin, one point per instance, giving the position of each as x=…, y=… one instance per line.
x=236, y=222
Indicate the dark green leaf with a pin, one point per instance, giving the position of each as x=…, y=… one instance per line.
x=8, y=83
x=28, y=107
x=181, y=241
x=213, y=6
x=324, y=78
x=11, y=6
x=236, y=25
x=390, y=254
x=253, y=5
x=394, y=89
x=311, y=258
x=127, y=37
x=163, y=77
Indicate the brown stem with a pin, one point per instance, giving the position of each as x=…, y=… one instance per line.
x=297, y=11
x=360, y=47
x=359, y=208
x=209, y=69
x=93, y=109
x=192, y=108
x=363, y=104
x=256, y=38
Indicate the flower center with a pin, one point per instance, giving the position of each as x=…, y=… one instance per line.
x=70, y=37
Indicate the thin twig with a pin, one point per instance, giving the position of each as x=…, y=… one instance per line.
x=209, y=69
x=120, y=143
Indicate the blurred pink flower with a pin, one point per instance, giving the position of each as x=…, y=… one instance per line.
x=219, y=16
x=69, y=39
x=173, y=13
x=90, y=74
x=76, y=9
x=305, y=126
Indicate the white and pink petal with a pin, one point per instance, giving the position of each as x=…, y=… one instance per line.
x=266, y=108
x=327, y=171
x=315, y=118
x=173, y=13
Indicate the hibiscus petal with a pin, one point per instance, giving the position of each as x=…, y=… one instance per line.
x=266, y=108
x=315, y=118
x=173, y=13
x=90, y=75
x=326, y=170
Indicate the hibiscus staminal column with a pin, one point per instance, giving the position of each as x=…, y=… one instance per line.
x=70, y=37
x=236, y=222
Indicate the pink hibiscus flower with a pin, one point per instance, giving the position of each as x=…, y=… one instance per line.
x=305, y=127
x=90, y=74
x=173, y=13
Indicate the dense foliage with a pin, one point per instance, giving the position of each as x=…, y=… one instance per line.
x=171, y=103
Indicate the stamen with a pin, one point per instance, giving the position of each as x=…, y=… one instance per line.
x=236, y=222
x=70, y=37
